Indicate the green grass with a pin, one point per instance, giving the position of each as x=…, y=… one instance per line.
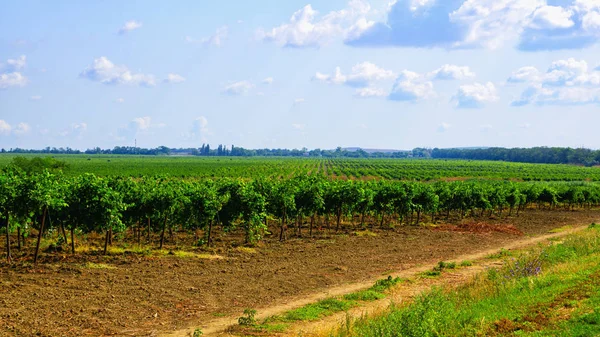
x=365, y=296
x=501, y=254
x=318, y=310
x=549, y=291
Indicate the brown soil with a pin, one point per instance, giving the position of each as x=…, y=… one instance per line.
x=147, y=296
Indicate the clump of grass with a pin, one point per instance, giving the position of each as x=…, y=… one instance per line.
x=431, y=273
x=364, y=295
x=197, y=332
x=385, y=284
x=246, y=250
x=561, y=229
x=365, y=233
x=466, y=263
x=92, y=265
x=317, y=310
x=594, y=225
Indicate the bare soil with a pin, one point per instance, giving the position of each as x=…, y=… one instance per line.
x=138, y=295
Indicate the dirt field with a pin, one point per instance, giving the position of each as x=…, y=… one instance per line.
x=136, y=295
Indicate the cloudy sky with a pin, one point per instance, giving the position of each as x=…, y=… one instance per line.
x=292, y=74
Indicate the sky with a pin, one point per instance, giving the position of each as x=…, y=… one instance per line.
x=293, y=74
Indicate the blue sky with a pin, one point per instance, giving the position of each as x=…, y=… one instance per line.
x=293, y=74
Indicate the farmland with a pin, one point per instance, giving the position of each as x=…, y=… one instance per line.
x=343, y=168
x=231, y=221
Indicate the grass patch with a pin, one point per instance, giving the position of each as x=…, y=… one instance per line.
x=315, y=311
x=548, y=291
x=561, y=229
x=365, y=296
x=246, y=250
x=92, y=265
x=466, y=263
x=365, y=233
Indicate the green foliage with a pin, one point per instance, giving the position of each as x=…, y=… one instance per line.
x=508, y=300
x=38, y=164
x=317, y=310
x=385, y=284
x=197, y=332
x=248, y=319
x=364, y=295
x=466, y=263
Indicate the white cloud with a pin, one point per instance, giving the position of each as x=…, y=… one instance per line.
x=120, y=100
x=363, y=75
x=370, y=92
x=491, y=22
x=551, y=17
x=174, y=78
x=137, y=126
x=214, y=40
x=307, y=29
x=199, y=129
x=5, y=128
x=141, y=123
x=444, y=127
x=129, y=26
x=22, y=129
x=412, y=87
x=238, y=88
x=268, y=80
x=475, y=95
x=35, y=98
x=13, y=65
x=105, y=72
x=452, y=72
x=12, y=80
x=566, y=82
x=524, y=74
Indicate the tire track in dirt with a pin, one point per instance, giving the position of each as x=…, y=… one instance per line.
x=403, y=292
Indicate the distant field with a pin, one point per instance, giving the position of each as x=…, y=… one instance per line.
x=391, y=169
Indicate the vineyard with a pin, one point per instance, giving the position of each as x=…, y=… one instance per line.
x=211, y=236
x=275, y=198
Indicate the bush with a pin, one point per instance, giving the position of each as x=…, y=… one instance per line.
x=248, y=319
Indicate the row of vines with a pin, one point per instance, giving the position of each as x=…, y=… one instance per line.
x=32, y=203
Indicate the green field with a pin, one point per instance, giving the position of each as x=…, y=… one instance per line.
x=392, y=169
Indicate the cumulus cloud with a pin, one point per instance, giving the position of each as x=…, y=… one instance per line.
x=106, y=72
x=565, y=82
x=129, y=26
x=19, y=130
x=475, y=95
x=238, y=88
x=216, y=39
x=268, y=80
x=412, y=87
x=362, y=75
x=76, y=129
x=524, y=74
x=452, y=72
x=5, y=128
x=137, y=126
x=13, y=65
x=120, y=100
x=174, y=78
x=307, y=29
x=199, y=129
x=10, y=76
x=532, y=24
x=35, y=98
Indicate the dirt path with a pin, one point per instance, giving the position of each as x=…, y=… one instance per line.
x=402, y=293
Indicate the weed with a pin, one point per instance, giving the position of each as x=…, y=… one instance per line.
x=502, y=253
x=384, y=284
x=197, y=332
x=249, y=318
x=365, y=296
x=317, y=310
x=431, y=273
x=466, y=263
x=594, y=225
x=92, y=265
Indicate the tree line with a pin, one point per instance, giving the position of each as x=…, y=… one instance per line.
x=541, y=155
x=156, y=206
